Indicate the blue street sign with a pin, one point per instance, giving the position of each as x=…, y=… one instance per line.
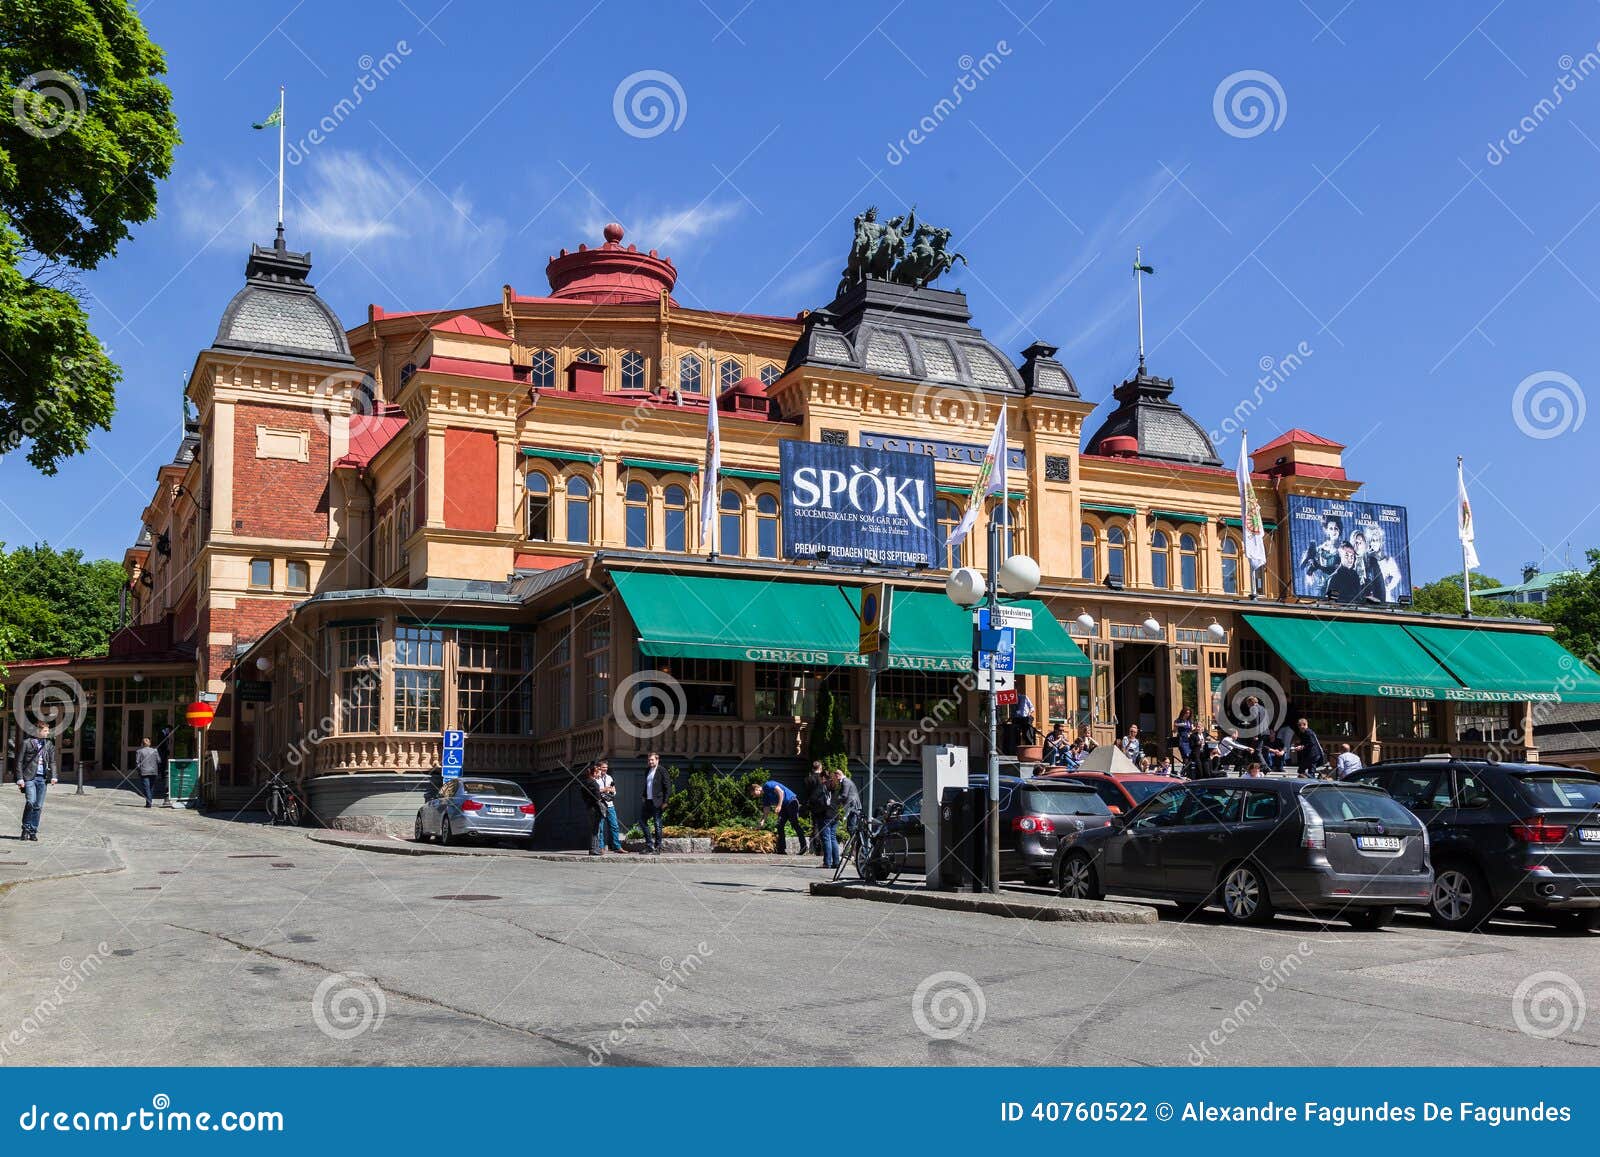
x=1003, y=641
x=996, y=660
x=452, y=760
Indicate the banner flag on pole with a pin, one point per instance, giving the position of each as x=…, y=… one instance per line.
x=1255, y=531
x=1469, y=552
x=709, y=480
x=991, y=480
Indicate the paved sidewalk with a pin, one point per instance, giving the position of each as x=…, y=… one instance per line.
x=65, y=847
x=401, y=846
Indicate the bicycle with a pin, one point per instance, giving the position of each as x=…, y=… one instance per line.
x=283, y=805
x=877, y=851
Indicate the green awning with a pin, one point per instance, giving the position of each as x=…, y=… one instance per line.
x=408, y=621
x=1106, y=508
x=662, y=467
x=815, y=624
x=1179, y=516
x=560, y=455
x=1340, y=657
x=1011, y=495
x=1510, y=666
x=1238, y=524
x=753, y=475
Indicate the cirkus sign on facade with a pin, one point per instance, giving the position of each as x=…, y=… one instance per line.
x=200, y=715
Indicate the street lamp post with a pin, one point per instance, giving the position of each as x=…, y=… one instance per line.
x=1017, y=575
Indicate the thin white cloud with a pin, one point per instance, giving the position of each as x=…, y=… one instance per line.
x=671, y=231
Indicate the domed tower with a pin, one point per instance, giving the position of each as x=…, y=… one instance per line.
x=611, y=274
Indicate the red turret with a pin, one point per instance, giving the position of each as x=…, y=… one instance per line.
x=610, y=275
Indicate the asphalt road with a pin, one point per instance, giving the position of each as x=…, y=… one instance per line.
x=182, y=939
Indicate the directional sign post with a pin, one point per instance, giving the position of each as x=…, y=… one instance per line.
x=453, y=756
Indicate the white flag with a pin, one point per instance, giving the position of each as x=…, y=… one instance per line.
x=710, y=481
x=1255, y=532
x=991, y=480
x=1469, y=553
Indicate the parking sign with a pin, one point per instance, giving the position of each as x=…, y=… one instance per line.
x=453, y=754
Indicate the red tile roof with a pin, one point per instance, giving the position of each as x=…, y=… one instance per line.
x=470, y=326
x=370, y=433
x=1300, y=437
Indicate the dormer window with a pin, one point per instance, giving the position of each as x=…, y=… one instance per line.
x=689, y=373
x=770, y=373
x=543, y=369
x=729, y=372
x=633, y=370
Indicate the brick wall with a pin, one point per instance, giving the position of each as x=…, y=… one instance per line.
x=277, y=497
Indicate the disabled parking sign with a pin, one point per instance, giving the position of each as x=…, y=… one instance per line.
x=452, y=759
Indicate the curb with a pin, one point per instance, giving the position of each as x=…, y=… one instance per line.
x=1017, y=906
x=403, y=847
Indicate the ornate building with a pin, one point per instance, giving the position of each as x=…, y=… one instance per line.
x=489, y=519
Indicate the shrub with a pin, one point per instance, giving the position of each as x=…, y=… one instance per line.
x=710, y=799
x=827, y=733
x=743, y=840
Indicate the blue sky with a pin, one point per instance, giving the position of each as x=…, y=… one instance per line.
x=1447, y=298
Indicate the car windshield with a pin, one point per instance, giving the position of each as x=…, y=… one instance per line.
x=1346, y=803
x=1043, y=802
x=1142, y=789
x=492, y=787
x=1564, y=791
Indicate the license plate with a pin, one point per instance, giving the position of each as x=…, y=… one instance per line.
x=1378, y=843
x=1589, y=835
x=502, y=811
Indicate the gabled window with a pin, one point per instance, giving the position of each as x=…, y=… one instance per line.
x=633, y=370
x=689, y=370
x=543, y=371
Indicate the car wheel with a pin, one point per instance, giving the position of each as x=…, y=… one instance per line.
x=1583, y=920
x=1370, y=919
x=1078, y=879
x=445, y=838
x=1244, y=896
x=1460, y=898
x=417, y=832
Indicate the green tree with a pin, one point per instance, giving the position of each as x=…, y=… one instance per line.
x=827, y=741
x=86, y=132
x=1444, y=597
x=55, y=603
x=1572, y=607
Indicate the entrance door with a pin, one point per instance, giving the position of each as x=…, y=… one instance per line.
x=134, y=729
x=1140, y=691
x=112, y=753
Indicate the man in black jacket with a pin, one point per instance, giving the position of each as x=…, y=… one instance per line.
x=654, y=804
x=36, y=768
x=594, y=803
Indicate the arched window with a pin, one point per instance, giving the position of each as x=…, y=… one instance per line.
x=1117, y=553
x=538, y=485
x=729, y=372
x=946, y=516
x=770, y=373
x=637, y=502
x=578, y=492
x=767, y=530
x=1160, y=559
x=730, y=530
x=633, y=370
x=1230, y=565
x=1188, y=562
x=543, y=372
x=677, y=503
x=590, y=356
x=1088, y=561
x=689, y=373
x=402, y=531
x=1009, y=538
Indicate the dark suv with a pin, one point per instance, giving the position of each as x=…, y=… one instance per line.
x=1034, y=815
x=1505, y=835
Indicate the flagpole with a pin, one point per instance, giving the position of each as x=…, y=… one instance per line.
x=1466, y=571
x=280, y=166
x=1138, y=284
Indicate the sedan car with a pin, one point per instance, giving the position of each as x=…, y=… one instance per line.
x=1258, y=846
x=1034, y=815
x=1505, y=835
x=472, y=807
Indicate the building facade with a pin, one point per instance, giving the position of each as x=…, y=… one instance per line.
x=491, y=519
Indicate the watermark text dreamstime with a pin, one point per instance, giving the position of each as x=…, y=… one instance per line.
x=674, y=974
x=973, y=72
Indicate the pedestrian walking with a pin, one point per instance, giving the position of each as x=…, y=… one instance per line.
x=37, y=764
x=612, y=834
x=147, y=762
x=777, y=800
x=654, y=805
x=1183, y=732
x=825, y=816
x=594, y=803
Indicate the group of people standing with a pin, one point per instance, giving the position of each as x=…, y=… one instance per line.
x=600, y=802
x=829, y=796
